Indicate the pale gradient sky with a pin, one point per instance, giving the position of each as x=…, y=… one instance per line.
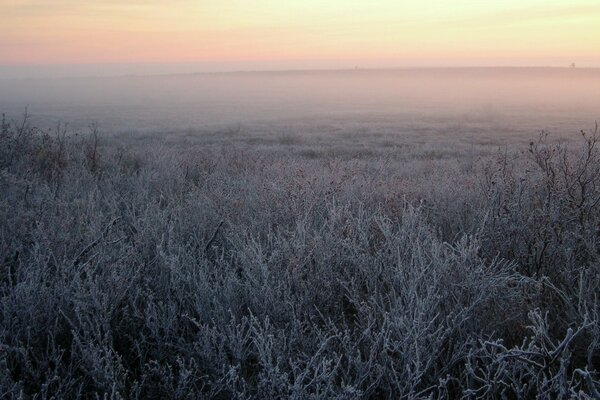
x=275, y=34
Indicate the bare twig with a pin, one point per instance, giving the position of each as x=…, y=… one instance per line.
x=213, y=237
x=93, y=244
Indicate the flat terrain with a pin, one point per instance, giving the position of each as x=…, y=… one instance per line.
x=509, y=99
x=349, y=234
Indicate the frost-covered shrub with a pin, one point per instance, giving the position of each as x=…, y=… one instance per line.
x=216, y=272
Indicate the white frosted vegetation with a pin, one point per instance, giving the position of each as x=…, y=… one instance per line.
x=292, y=269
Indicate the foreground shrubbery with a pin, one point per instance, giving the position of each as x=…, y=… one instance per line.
x=221, y=273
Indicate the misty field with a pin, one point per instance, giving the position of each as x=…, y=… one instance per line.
x=346, y=265
x=357, y=234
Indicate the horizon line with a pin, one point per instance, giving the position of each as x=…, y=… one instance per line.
x=357, y=68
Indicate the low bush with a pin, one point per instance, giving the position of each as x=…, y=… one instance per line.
x=227, y=273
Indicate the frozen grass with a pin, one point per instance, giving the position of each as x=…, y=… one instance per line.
x=297, y=267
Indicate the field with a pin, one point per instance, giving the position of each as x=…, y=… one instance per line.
x=345, y=249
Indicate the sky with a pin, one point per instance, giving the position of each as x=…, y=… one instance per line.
x=220, y=35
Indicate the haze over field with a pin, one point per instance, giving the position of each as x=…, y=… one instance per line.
x=522, y=99
x=148, y=46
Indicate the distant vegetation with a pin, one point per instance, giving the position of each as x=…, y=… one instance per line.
x=297, y=267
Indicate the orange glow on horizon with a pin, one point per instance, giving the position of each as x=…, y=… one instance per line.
x=428, y=31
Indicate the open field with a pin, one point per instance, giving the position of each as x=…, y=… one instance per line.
x=317, y=241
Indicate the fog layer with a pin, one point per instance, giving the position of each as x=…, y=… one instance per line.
x=510, y=98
